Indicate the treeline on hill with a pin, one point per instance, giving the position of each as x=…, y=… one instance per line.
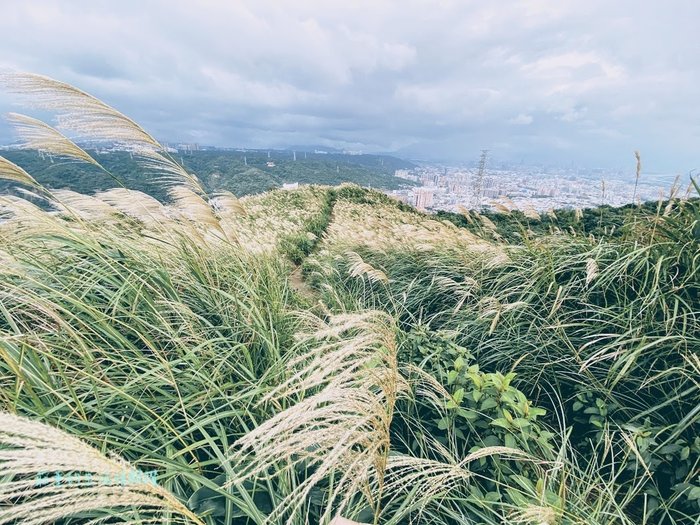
x=515, y=225
x=217, y=170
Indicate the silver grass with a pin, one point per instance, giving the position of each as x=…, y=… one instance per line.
x=535, y=515
x=227, y=204
x=12, y=172
x=359, y=268
x=170, y=171
x=38, y=135
x=488, y=223
x=531, y=213
x=193, y=207
x=85, y=206
x=591, y=270
x=501, y=208
x=77, y=110
x=348, y=383
x=49, y=475
x=92, y=119
x=138, y=205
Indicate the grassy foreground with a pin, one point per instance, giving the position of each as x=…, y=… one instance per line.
x=163, y=364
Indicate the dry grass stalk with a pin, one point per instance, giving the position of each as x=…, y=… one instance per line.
x=50, y=476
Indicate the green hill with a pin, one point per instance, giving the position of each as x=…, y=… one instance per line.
x=242, y=173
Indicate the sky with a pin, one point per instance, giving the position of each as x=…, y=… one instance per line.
x=575, y=82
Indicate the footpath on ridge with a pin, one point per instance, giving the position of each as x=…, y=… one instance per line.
x=296, y=277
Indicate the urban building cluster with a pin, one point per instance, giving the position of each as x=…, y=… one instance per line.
x=449, y=188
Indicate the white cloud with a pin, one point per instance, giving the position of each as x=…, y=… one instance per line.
x=521, y=119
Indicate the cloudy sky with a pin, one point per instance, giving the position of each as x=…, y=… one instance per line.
x=575, y=81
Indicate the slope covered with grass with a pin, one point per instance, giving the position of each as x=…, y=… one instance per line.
x=159, y=364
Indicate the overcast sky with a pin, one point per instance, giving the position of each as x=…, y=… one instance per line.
x=582, y=81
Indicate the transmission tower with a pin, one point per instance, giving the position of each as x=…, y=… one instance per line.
x=478, y=182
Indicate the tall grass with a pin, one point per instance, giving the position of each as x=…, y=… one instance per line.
x=444, y=376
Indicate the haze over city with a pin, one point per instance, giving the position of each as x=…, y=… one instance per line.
x=581, y=83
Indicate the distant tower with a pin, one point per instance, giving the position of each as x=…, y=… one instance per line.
x=295, y=155
x=304, y=155
x=478, y=182
x=268, y=154
x=337, y=168
x=245, y=160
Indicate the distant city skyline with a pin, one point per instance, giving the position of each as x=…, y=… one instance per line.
x=534, y=81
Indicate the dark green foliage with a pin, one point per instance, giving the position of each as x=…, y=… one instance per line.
x=516, y=227
x=217, y=170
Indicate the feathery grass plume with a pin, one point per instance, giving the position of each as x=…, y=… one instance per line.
x=591, y=270
x=358, y=268
x=531, y=213
x=77, y=110
x=92, y=119
x=672, y=195
x=427, y=481
x=85, y=206
x=501, y=208
x=348, y=383
x=12, y=172
x=487, y=222
x=535, y=515
x=137, y=204
x=193, y=207
x=49, y=475
x=38, y=135
x=465, y=213
x=171, y=172
x=638, y=158
x=27, y=215
x=226, y=203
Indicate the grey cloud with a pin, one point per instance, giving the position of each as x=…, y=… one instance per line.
x=547, y=81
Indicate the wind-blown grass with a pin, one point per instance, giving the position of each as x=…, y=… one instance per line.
x=444, y=376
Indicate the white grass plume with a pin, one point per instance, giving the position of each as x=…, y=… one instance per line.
x=90, y=119
x=77, y=110
x=12, y=172
x=85, y=206
x=48, y=475
x=170, y=172
x=359, y=268
x=38, y=135
x=348, y=383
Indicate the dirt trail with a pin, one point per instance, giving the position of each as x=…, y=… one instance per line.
x=300, y=286
x=296, y=277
